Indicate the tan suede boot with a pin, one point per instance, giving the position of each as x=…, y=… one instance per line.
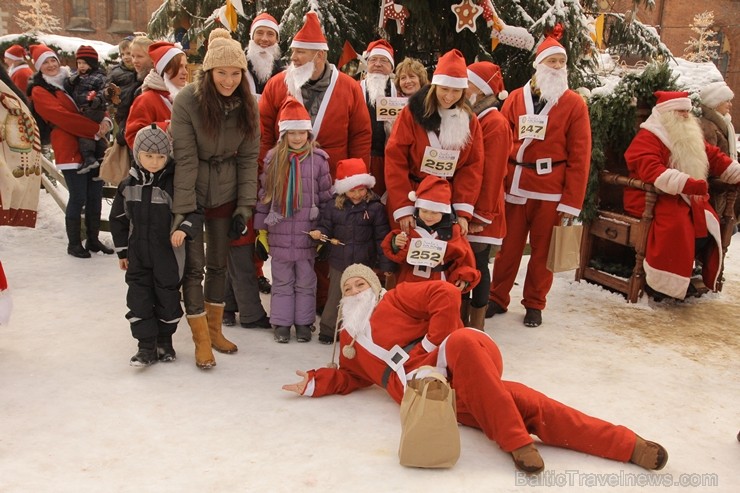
x=203, y=355
x=649, y=455
x=215, y=315
x=528, y=459
x=477, y=317
x=465, y=312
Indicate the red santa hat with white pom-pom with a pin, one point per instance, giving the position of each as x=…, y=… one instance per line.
x=549, y=47
x=310, y=36
x=672, y=101
x=486, y=76
x=264, y=20
x=434, y=194
x=293, y=116
x=352, y=173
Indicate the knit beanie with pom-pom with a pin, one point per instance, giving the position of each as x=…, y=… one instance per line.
x=223, y=51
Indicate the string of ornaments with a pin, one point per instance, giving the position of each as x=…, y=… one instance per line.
x=467, y=12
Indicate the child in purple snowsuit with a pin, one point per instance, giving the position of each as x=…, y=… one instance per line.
x=294, y=185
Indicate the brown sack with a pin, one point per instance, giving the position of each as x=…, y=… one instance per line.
x=116, y=164
x=429, y=433
x=565, y=248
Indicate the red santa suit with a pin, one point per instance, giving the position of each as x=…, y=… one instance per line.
x=342, y=126
x=412, y=134
x=678, y=218
x=153, y=105
x=422, y=321
x=534, y=197
x=20, y=76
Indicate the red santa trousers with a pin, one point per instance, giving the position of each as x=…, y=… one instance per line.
x=535, y=218
x=508, y=412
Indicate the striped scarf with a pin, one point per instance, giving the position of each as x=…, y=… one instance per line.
x=291, y=195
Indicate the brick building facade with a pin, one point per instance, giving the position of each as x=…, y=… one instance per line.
x=108, y=21
x=673, y=19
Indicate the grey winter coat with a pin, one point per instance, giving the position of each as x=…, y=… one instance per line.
x=211, y=171
x=287, y=239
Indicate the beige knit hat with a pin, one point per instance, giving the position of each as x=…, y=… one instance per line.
x=223, y=51
x=365, y=272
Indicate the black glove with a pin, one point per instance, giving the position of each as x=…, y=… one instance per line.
x=238, y=227
x=322, y=251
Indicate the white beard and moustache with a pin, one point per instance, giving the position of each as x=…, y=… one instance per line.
x=687, y=139
x=296, y=77
x=262, y=59
x=552, y=83
x=454, y=128
x=356, y=311
x=376, y=84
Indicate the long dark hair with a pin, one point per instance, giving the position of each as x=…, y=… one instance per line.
x=212, y=106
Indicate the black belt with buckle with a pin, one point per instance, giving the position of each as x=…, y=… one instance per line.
x=534, y=165
x=388, y=369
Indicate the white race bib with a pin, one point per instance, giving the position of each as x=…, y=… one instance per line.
x=532, y=127
x=439, y=162
x=426, y=251
x=388, y=108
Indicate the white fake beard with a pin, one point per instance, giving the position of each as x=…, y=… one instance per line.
x=356, y=311
x=688, y=153
x=172, y=88
x=552, y=83
x=376, y=84
x=454, y=130
x=262, y=59
x=296, y=77
x=472, y=99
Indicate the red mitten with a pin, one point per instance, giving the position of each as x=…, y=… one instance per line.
x=695, y=187
x=91, y=95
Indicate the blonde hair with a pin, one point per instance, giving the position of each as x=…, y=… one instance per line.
x=341, y=198
x=276, y=174
x=142, y=42
x=414, y=66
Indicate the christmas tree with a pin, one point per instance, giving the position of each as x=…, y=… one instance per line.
x=37, y=18
x=704, y=47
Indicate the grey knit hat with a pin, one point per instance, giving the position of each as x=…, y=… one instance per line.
x=223, y=51
x=365, y=272
x=152, y=139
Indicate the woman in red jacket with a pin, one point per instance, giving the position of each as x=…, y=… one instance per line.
x=57, y=108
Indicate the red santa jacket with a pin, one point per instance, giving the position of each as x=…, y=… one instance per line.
x=68, y=125
x=458, y=258
x=567, y=143
x=400, y=319
x=20, y=76
x=342, y=127
x=404, y=153
x=489, y=208
x=151, y=106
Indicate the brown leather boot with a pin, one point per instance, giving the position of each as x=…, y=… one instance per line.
x=477, y=317
x=203, y=355
x=465, y=312
x=528, y=459
x=215, y=315
x=649, y=455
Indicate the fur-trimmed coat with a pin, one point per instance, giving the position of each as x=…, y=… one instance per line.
x=405, y=150
x=716, y=130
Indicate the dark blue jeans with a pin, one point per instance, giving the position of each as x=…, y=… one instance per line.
x=83, y=192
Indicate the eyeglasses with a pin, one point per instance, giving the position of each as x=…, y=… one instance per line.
x=378, y=60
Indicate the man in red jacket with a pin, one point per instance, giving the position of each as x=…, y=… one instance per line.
x=18, y=69
x=546, y=178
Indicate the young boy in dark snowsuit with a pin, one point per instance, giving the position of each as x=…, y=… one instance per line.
x=140, y=221
x=87, y=88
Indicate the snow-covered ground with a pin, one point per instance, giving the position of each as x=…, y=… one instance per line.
x=75, y=417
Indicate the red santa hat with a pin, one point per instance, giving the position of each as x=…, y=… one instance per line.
x=40, y=53
x=486, y=76
x=15, y=53
x=352, y=173
x=451, y=71
x=548, y=47
x=264, y=20
x=310, y=36
x=161, y=53
x=381, y=47
x=715, y=93
x=434, y=193
x=672, y=101
x=293, y=116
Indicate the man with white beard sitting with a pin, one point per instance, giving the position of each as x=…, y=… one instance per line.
x=263, y=52
x=377, y=84
x=546, y=177
x=334, y=101
x=670, y=152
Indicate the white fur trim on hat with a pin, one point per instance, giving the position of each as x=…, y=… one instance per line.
x=165, y=59
x=381, y=52
x=264, y=23
x=433, y=206
x=675, y=104
x=309, y=46
x=448, y=81
x=286, y=125
x=12, y=56
x=479, y=83
x=42, y=58
x=716, y=93
x=552, y=50
x=346, y=184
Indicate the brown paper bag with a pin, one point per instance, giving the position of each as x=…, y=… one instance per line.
x=116, y=164
x=565, y=248
x=429, y=433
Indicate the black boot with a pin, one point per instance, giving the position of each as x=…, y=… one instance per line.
x=165, y=350
x=303, y=332
x=74, y=246
x=147, y=353
x=93, y=244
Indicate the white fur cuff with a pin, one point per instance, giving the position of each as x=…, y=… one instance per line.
x=731, y=174
x=671, y=181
